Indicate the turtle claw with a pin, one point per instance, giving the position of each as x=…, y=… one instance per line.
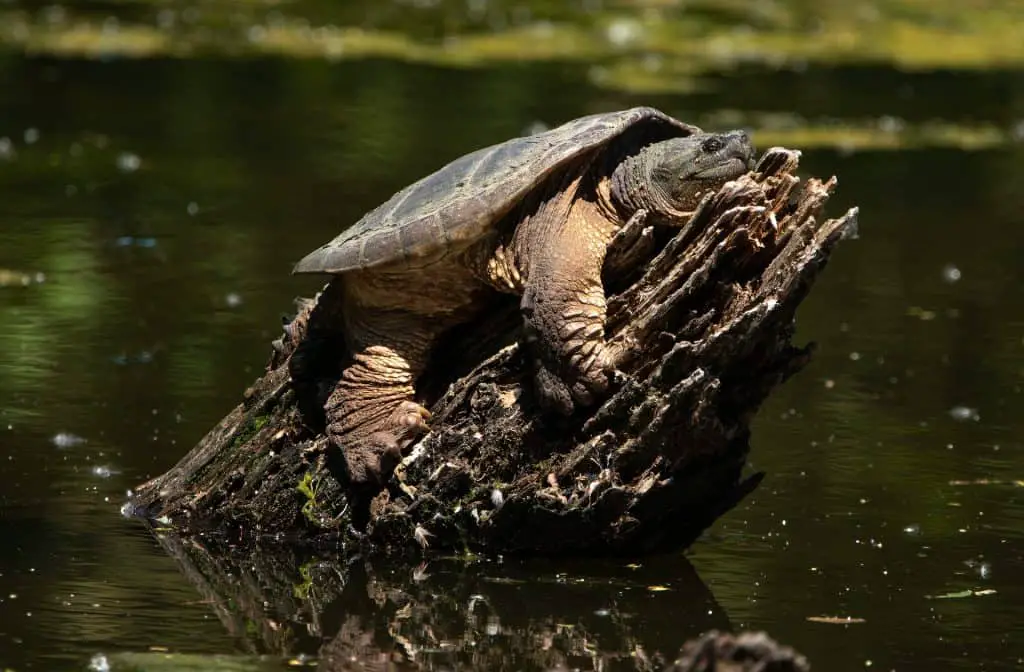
x=563, y=394
x=410, y=420
x=371, y=461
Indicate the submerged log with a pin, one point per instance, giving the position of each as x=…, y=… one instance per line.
x=707, y=324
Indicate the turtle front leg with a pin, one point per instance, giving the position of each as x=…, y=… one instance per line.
x=372, y=416
x=563, y=307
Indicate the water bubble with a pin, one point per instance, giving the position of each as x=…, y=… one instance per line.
x=128, y=162
x=102, y=472
x=67, y=440
x=6, y=148
x=31, y=136
x=963, y=413
x=124, y=241
x=913, y=530
x=950, y=273
x=233, y=300
x=192, y=209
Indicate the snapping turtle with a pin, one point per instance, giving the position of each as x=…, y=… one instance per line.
x=533, y=216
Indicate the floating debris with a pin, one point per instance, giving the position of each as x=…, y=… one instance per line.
x=960, y=594
x=6, y=148
x=192, y=209
x=950, y=273
x=836, y=620
x=103, y=472
x=980, y=567
x=233, y=300
x=31, y=136
x=9, y=278
x=141, y=357
x=921, y=313
x=989, y=481
x=99, y=663
x=422, y=534
x=133, y=241
x=67, y=440
x=964, y=413
x=128, y=162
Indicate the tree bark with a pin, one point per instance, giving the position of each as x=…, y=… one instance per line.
x=707, y=326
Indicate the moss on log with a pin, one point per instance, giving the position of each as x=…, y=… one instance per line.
x=707, y=322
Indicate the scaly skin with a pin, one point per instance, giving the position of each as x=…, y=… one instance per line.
x=551, y=252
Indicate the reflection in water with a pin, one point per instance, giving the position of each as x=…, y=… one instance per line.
x=244, y=166
x=451, y=613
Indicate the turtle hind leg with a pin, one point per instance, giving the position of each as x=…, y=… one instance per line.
x=372, y=416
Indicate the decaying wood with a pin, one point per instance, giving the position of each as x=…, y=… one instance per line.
x=707, y=330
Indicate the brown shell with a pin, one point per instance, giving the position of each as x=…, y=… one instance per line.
x=459, y=203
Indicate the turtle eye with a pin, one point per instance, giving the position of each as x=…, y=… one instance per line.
x=711, y=145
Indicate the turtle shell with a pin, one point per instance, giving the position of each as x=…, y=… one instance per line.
x=461, y=202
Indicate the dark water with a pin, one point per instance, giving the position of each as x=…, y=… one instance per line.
x=165, y=202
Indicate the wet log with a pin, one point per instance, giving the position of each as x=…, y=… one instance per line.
x=707, y=324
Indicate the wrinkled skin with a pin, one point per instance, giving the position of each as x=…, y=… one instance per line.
x=551, y=252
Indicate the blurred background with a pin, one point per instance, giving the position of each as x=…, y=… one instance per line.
x=163, y=164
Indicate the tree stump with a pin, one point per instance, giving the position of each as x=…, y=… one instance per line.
x=707, y=323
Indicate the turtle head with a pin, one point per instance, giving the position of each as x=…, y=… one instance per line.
x=680, y=171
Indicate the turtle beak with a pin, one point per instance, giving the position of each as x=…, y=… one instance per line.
x=735, y=158
x=740, y=147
